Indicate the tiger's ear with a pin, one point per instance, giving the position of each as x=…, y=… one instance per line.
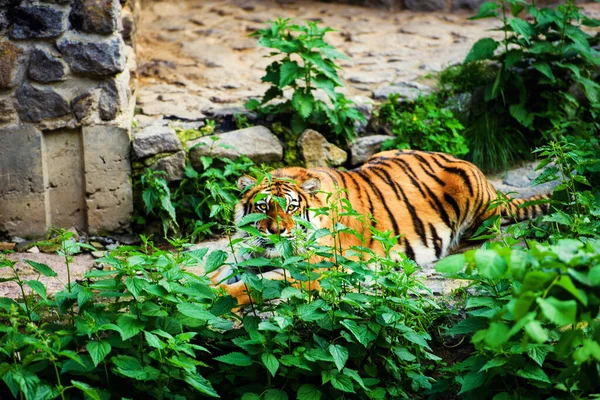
x=245, y=182
x=311, y=186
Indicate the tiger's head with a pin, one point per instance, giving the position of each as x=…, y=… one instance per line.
x=291, y=192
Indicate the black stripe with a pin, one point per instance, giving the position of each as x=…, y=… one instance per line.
x=326, y=172
x=419, y=228
x=437, y=242
x=424, y=162
x=463, y=175
x=408, y=250
x=433, y=176
x=450, y=200
x=371, y=210
x=390, y=215
x=441, y=209
x=410, y=173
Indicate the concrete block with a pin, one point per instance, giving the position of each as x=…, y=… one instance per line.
x=107, y=168
x=22, y=188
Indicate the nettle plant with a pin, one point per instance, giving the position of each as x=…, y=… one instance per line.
x=422, y=124
x=305, y=65
x=533, y=319
x=543, y=63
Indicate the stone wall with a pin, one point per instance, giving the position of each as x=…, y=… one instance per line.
x=66, y=106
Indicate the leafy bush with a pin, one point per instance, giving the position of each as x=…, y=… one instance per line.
x=422, y=124
x=534, y=321
x=201, y=201
x=306, y=65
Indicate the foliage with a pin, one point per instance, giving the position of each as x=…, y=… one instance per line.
x=145, y=327
x=202, y=200
x=534, y=321
x=306, y=65
x=423, y=124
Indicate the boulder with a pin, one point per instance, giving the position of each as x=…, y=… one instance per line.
x=43, y=67
x=9, y=64
x=408, y=91
x=257, y=143
x=316, y=151
x=95, y=16
x=154, y=140
x=364, y=147
x=99, y=58
x=38, y=104
x=37, y=21
x=173, y=165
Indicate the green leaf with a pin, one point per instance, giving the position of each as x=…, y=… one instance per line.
x=275, y=394
x=490, y=264
x=533, y=372
x=343, y=383
x=497, y=334
x=235, y=358
x=129, y=325
x=545, y=69
x=471, y=381
x=520, y=113
x=538, y=353
x=359, y=332
x=135, y=286
x=201, y=384
x=196, y=311
x=87, y=389
x=153, y=340
x=487, y=10
x=493, y=363
x=483, y=49
x=303, y=103
x=252, y=218
x=270, y=361
x=339, y=354
x=523, y=28
x=42, y=268
x=536, y=331
x=557, y=311
x=98, y=350
x=566, y=283
x=451, y=264
x=38, y=287
x=215, y=260
x=308, y=392
x=404, y=354
x=290, y=71
x=469, y=325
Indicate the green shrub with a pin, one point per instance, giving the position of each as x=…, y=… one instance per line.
x=422, y=124
x=533, y=321
x=306, y=64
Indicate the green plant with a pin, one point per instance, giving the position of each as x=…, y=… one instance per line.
x=305, y=64
x=156, y=196
x=533, y=321
x=422, y=125
x=241, y=121
x=543, y=62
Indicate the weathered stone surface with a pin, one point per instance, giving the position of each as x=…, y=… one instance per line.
x=9, y=54
x=43, y=67
x=83, y=106
x=37, y=104
x=110, y=103
x=4, y=23
x=407, y=90
x=364, y=147
x=127, y=24
x=471, y=5
x=22, y=199
x=7, y=110
x=9, y=3
x=316, y=151
x=257, y=143
x=173, y=165
x=106, y=57
x=172, y=101
x=155, y=140
x=37, y=22
x=425, y=5
x=371, y=77
x=107, y=178
x=65, y=192
x=95, y=16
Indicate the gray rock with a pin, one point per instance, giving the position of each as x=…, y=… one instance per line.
x=425, y=5
x=364, y=147
x=127, y=24
x=36, y=104
x=83, y=106
x=408, y=91
x=9, y=56
x=4, y=22
x=371, y=77
x=106, y=57
x=316, y=151
x=37, y=22
x=109, y=104
x=95, y=16
x=43, y=67
x=9, y=3
x=7, y=110
x=173, y=166
x=460, y=105
x=365, y=106
x=471, y=5
x=155, y=140
x=257, y=143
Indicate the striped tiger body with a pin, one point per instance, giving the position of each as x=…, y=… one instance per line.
x=431, y=200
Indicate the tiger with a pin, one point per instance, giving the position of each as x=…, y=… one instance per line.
x=429, y=200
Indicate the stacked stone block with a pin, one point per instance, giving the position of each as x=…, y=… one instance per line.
x=66, y=106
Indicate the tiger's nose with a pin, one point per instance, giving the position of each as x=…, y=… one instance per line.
x=277, y=230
